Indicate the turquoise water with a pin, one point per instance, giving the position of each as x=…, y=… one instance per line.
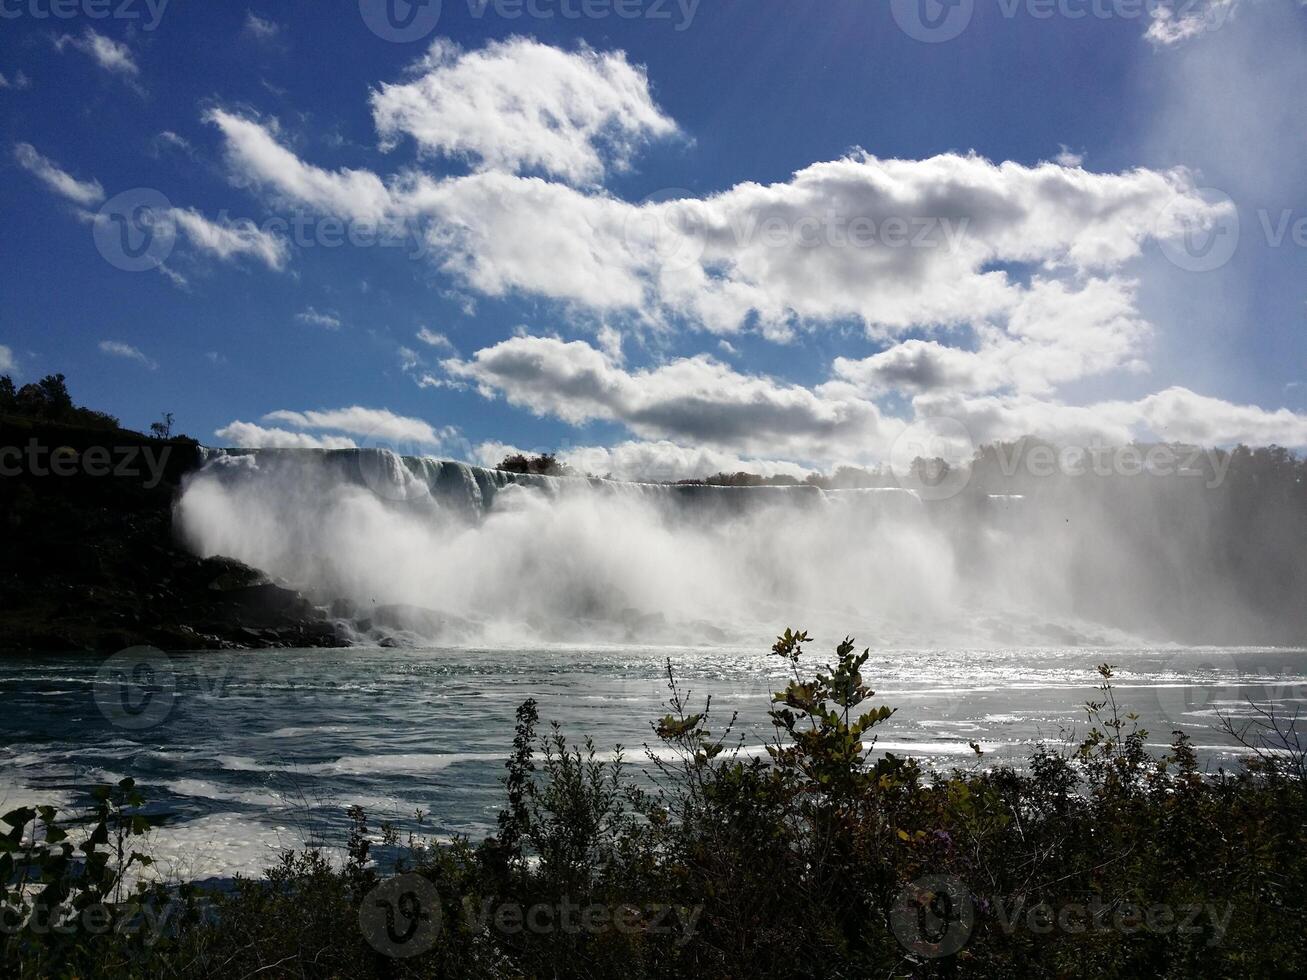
x=250, y=753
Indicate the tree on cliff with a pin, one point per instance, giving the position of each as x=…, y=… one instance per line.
x=546, y=464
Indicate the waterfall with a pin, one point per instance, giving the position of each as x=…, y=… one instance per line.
x=420, y=550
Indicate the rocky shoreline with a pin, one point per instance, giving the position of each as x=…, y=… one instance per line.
x=90, y=560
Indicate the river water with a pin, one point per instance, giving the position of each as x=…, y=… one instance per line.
x=251, y=753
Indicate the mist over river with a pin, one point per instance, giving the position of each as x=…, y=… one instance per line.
x=420, y=551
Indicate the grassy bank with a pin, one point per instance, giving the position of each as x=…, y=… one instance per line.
x=822, y=859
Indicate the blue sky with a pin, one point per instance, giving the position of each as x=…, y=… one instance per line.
x=668, y=241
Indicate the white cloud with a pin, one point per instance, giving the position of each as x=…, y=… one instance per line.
x=689, y=400
x=84, y=192
x=171, y=141
x=1174, y=415
x=372, y=424
x=7, y=360
x=230, y=239
x=254, y=155
x=664, y=461
x=19, y=81
x=116, y=348
x=922, y=366
x=1067, y=157
x=247, y=435
x=519, y=105
x=896, y=244
x=434, y=339
x=109, y=54
x=1054, y=335
x=1174, y=21
x=260, y=28
x=1179, y=414
x=991, y=285
x=725, y=414
x=329, y=320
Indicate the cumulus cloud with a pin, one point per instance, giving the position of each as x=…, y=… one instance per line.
x=230, y=239
x=84, y=192
x=329, y=320
x=990, y=285
x=1174, y=415
x=896, y=244
x=247, y=435
x=116, y=348
x=701, y=403
x=109, y=54
x=7, y=360
x=371, y=424
x=519, y=105
x=1055, y=334
x=1180, y=414
x=694, y=399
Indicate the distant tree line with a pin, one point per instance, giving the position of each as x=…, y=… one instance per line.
x=49, y=401
x=546, y=464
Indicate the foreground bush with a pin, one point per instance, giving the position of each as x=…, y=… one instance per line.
x=820, y=859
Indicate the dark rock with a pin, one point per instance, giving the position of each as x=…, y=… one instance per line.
x=93, y=563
